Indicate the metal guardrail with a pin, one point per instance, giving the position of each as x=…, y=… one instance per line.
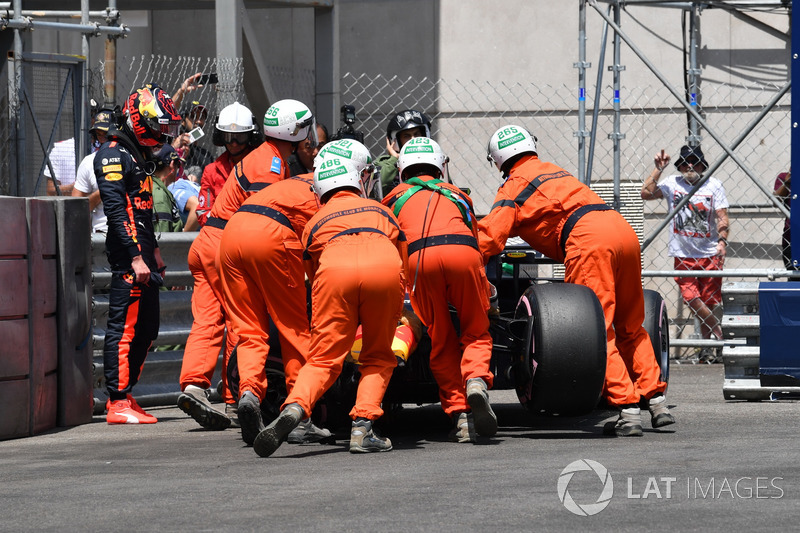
x=159, y=384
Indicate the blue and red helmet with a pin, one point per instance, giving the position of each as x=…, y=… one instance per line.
x=150, y=114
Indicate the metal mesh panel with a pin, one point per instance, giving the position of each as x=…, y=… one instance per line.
x=46, y=84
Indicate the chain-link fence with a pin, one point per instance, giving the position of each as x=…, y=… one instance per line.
x=466, y=113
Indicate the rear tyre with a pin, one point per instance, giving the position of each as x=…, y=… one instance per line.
x=656, y=322
x=562, y=367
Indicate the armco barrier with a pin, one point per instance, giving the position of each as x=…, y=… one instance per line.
x=159, y=383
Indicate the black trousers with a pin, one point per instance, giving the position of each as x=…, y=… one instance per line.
x=133, y=321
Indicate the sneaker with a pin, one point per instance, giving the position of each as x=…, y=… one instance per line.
x=271, y=437
x=121, y=412
x=135, y=407
x=306, y=433
x=464, y=430
x=250, y=417
x=629, y=423
x=194, y=402
x=659, y=414
x=478, y=400
x=363, y=438
x=232, y=412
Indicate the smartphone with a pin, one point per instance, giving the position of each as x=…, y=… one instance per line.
x=196, y=134
x=205, y=79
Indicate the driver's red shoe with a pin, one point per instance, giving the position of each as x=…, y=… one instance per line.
x=123, y=412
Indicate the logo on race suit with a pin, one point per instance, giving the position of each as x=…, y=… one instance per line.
x=276, y=165
x=114, y=176
x=566, y=476
x=112, y=168
x=146, y=185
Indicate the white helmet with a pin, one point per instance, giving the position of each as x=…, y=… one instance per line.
x=508, y=142
x=235, y=118
x=290, y=120
x=336, y=173
x=421, y=151
x=349, y=149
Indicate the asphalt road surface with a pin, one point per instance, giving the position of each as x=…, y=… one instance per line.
x=725, y=466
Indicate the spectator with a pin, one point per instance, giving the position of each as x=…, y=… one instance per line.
x=194, y=174
x=783, y=190
x=166, y=214
x=234, y=129
x=403, y=126
x=194, y=116
x=190, y=84
x=446, y=268
x=699, y=237
x=286, y=124
x=186, y=194
x=131, y=247
x=85, y=180
x=62, y=159
x=302, y=161
x=565, y=220
x=353, y=249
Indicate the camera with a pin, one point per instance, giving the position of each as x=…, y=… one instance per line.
x=347, y=131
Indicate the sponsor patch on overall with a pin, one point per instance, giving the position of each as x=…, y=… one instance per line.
x=112, y=168
x=276, y=165
x=114, y=176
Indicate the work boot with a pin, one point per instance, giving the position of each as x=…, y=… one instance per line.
x=121, y=412
x=250, y=417
x=306, y=433
x=271, y=437
x=464, y=430
x=482, y=414
x=363, y=438
x=659, y=414
x=232, y=412
x=194, y=402
x=629, y=423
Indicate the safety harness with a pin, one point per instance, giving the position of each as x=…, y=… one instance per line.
x=435, y=186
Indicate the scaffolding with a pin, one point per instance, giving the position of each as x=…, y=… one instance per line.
x=612, y=19
x=14, y=17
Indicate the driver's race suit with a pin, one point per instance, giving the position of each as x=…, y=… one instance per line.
x=133, y=308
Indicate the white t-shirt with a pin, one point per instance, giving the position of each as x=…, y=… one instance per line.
x=62, y=158
x=694, y=227
x=86, y=182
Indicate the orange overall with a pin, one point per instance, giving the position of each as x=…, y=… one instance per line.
x=353, y=249
x=262, y=167
x=537, y=202
x=261, y=265
x=445, y=267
